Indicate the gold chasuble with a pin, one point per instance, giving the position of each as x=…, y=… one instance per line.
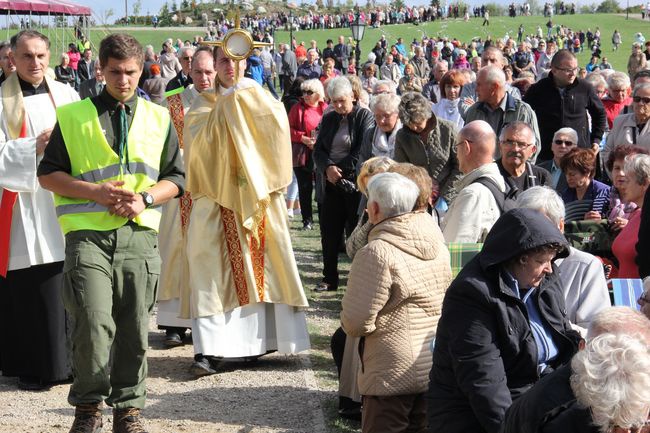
x=238, y=161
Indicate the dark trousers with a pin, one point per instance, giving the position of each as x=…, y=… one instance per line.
x=393, y=414
x=268, y=80
x=287, y=81
x=305, y=179
x=33, y=324
x=339, y=213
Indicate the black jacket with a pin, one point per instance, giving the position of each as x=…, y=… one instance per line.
x=85, y=71
x=359, y=121
x=555, y=111
x=561, y=183
x=485, y=354
x=540, y=408
x=178, y=81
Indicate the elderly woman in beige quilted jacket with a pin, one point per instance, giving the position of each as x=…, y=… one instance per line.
x=393, y=301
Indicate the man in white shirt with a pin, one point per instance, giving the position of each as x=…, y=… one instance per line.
x=32, y=317
x=475, y=209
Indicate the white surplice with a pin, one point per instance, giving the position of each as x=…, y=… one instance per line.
x=36, y=237
x=172, y=249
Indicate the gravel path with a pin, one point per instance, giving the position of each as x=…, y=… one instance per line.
x=278, y=393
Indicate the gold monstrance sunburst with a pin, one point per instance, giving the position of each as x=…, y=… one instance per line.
x=237, y=44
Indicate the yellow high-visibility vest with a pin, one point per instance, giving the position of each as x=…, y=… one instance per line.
x=93, y=160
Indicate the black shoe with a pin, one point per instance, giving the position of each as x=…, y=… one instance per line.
x=325, y=287
x=353, y=413
x=202, y=368
x=307, y=226
x=173, y=339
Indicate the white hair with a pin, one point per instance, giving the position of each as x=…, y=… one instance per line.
x=544, y=200
x=638, y=167
x=339, y=87
x=618, y=80
x=494, y=75
x=388, y=83
x=393, y=193
x=386, y=102
x=567, y=131
x=596, y=79
x=640, y=86
x=315, y=86
x=620, y=320
x=186, y=49
x=611, y=377
x=372, y=57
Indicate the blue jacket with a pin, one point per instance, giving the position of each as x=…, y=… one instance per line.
x=255, y=69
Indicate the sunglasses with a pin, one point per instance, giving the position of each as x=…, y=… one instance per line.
x=563, y=142
x=642, y=99
x=307, y=93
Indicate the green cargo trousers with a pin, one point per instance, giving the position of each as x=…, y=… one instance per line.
x=110, y=284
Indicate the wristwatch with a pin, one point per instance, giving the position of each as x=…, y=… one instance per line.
x=147, y=199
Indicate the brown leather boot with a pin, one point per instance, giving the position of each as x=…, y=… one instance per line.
x=127, y=420
x=87, y=419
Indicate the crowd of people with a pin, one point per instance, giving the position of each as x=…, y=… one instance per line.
x=484, y=190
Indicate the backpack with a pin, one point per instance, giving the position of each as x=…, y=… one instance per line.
x=505, y=200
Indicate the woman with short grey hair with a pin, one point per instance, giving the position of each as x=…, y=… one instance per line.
x=611, y=377
x=393, y=300
x=314, y=86
x=428, y=142
x=583, y=283
x=336, y=156
x=634, y=127
x=637, y=171
x=339, y=87
x=380, y=139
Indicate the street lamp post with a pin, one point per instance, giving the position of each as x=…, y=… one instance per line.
x=358, y=30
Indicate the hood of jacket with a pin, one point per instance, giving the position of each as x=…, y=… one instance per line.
x=415, y=233
x=517, y=231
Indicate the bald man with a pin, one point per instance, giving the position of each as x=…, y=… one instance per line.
x=491, y=56
x=475, y=209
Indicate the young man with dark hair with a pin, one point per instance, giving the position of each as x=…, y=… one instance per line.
x=111, y=161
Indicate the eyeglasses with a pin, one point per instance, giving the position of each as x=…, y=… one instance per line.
x=307, y=93
x=186, y=58
x=641, y=99
x=563, y=142
x=512, y=143
x=460, y=140
x=567, y=70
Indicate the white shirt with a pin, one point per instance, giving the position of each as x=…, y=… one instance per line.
x=36, y=237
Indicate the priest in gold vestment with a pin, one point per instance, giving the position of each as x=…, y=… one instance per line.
x=245, y=297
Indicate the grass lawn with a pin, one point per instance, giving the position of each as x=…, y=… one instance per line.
x=499, y=27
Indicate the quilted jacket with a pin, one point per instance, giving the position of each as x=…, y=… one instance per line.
x=395, y=290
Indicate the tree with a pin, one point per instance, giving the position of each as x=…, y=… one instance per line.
x=165, y=18
x=108, y=13
x=397, y=4
x=137, y=7
x=608, y=7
